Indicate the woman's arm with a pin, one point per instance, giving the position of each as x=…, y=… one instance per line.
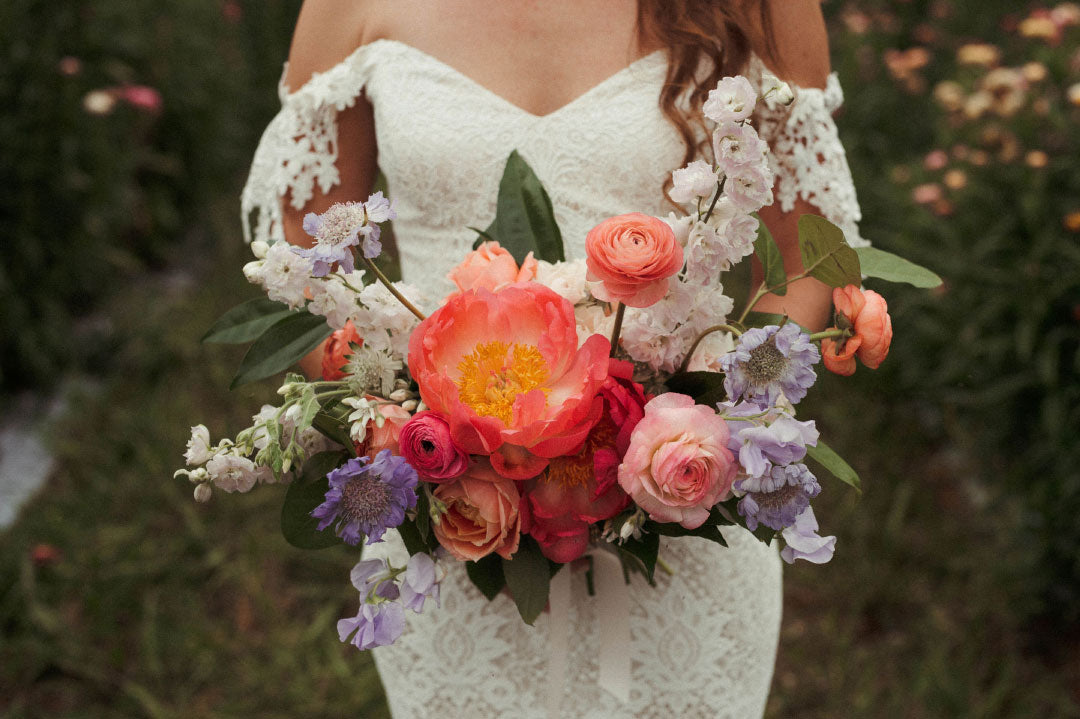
x=799, y=54
x=326, y=33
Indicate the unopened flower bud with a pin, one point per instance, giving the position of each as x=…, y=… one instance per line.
x=421, y=407
x=202, y=493
x=259, y=249
x=783, y=94
x=401, y=384
x=409, y=405
x=399, y=395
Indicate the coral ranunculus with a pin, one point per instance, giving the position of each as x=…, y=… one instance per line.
x=630, y=258
x=336, y=351
x=505, y=370
x=868, y=315
x=491, y=267
x=481, y=515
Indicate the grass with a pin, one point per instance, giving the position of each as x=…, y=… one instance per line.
x=119, y=596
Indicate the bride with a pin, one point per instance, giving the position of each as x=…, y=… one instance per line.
x=602, y=98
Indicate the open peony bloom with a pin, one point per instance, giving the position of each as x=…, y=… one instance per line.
x=678, y=464
x=481, y=515
x=491, y=267
x=504, y=369
x=580, y=489
x=867, y=314
x=630, y=258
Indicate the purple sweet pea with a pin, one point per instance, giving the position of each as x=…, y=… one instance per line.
x=375, y=625
x=777, y=498
x=769, y=361
x=803, y=541
x=419, y=583
x=761, y=446
x=371, y=578
x=367, y=497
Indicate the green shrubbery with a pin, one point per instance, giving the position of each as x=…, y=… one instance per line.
x=118, y=123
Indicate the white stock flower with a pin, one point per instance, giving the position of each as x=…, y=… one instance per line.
x=732, y=101
x=385, y=323
x=283, y=274
x=332, y=299
x=231, y=473
x=566, y=279
x=199, y=450
x=698, y=179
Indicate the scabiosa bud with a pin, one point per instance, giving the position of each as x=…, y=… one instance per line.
x=367, y=497
x=768, y=362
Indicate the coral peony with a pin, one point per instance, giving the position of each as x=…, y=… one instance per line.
x=491, y=267
x=426, y=444
x=866, y=313
x=630, y=258
x=504, y=369
x=481, y=515
x=678, y=464
x=337, y=349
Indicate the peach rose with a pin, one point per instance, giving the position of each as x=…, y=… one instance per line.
x=868, y=315
x=481, y=514
x=630, y=258
x=491, y=267
x=678, y=464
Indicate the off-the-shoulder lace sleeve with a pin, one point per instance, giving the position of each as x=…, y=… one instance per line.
x=299, y=147
x=807, y=156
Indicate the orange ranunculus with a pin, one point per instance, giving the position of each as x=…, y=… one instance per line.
x=840, y=362
x=868, y=315
x=491, y=267
x=481, y=514
x=504, y=369
x=336, y=351
x=630, y=258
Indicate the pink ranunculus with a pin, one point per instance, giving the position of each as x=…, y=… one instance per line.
x=678, y=465
x=630, y=258
x=481, y=514
x=426, y=444
x=505, y=370
x=385, y=437
x=491, y=267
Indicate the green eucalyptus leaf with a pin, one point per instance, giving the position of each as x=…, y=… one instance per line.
x=487, y=574
x=772, y=264
x=246, y=321
x=528, y=578
x=825, y=254
x=281, y=346
x=525, y=220
x=894, y=268
x=830, y=460
x=305, y=493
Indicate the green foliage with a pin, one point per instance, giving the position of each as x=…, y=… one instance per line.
x=246, y=322
x=487, y=574
x=528, y=578
x=824, y=455
x=304, y=494
x=281, y=346
x=893, y=268
x=524, y=220
x=772, y=264
x=825, y=253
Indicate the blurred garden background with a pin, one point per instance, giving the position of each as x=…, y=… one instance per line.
x=126, y=131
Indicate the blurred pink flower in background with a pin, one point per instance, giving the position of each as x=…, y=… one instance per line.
x=69, y=66
x=141, y=97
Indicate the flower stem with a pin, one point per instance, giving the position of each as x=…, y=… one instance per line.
x=830, y=333
x=715, y=328
x=618, y=327
x=715, y=199
x=394, y=290
x=665, y=566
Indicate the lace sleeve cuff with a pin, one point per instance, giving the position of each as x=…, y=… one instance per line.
x=808, y=158
x=299, y=148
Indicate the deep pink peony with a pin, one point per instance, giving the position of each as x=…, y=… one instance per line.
x=426, y=444
x=678, y=464
x=504, y=369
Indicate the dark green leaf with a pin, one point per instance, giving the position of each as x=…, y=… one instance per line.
x=528, y=579
x=771, y=262
x=736, y=283
x=894, y=268
x=423, y=515
x=704, y=387
x=483, y=235
x=672, y=529
x=246, y=321
x=487, y=575
x=410, y=535
x=830, y=460
x=644, y=550
x=304, y=494
x=281, y=346
x=334, y=428
x=825, y=254
x=525, y=219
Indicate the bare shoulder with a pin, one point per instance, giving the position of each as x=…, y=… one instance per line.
x=327, y=32
x=799, y=50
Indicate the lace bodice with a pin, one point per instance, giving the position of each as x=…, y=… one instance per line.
x=704, y=640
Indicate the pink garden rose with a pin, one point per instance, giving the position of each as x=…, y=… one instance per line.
x=630, y=258
x=504, y=369
x=491, y=267
x=678, y=464
x=426, y=444
x=481, y=515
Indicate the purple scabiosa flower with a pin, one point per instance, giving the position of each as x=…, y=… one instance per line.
x=420, y=583
x=336, y=232
x=367, y=497
x=761, y=445
x=778, y=497
x=769, y=361
x=375, y=625
x=803, y=541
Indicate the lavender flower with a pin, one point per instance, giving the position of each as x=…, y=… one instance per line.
x=373, y=578
x=378, y=210
x=336, y=232
x=367, y=497
x=420, y=583
x=761, y=445
x=803, y=541
x=778, y=498
x=769, y=361
x=375, y=625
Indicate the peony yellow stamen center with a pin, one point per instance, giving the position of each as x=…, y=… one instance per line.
x=495, y=373
x=577, y=469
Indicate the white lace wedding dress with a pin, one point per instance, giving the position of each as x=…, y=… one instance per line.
x=704, y=641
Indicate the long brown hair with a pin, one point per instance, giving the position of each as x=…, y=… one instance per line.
x=694, y=30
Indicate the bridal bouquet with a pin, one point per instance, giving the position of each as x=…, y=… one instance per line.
x=548, y=408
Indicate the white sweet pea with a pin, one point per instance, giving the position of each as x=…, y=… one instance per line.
x=231, y=473
x=732, y=101
x=698, y=179
x=199, y=450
